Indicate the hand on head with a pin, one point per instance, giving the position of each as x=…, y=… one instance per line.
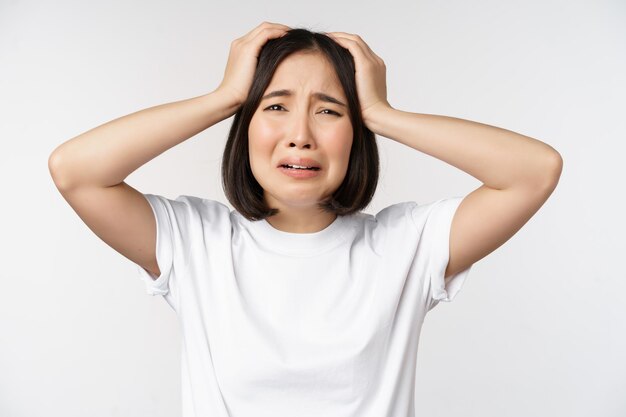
x=370, y=73
x=370, y=69
x=242, y=59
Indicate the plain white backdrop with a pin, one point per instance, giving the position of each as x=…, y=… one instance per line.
x=539, y=329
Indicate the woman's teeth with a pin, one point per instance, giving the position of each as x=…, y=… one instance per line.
x=300, y=167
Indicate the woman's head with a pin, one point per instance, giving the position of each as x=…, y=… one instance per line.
x=326, y=128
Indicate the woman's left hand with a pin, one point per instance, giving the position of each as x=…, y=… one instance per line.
x=370, y=74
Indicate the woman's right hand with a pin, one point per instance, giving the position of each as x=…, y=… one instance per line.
x=242, y=59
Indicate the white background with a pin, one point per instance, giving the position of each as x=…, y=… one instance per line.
x=539, y=328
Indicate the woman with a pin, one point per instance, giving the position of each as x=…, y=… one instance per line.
x=296, y=302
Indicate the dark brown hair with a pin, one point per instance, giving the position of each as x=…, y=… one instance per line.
x=358, y=187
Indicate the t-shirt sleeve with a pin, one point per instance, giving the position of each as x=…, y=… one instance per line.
x=434, y=220
x=173, y=226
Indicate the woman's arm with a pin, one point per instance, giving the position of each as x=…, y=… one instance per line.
x=104, y=156
x=519, y=173
x=498, y=157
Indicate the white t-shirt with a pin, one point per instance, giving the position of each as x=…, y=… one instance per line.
x=278, y=324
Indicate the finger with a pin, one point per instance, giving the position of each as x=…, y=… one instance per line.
x=271, y=25
x=265, y=25
x=355, y=48
x=264, y=35
x=360, y=41
x=356, y=39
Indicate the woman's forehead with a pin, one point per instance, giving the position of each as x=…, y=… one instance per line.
x=305, y=64
x=305, y=72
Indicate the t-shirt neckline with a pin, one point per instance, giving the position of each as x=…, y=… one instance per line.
x=299, y=244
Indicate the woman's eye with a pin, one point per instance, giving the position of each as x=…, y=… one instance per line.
x=332, y=112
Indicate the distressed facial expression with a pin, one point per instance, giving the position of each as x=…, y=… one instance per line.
x=303, y=114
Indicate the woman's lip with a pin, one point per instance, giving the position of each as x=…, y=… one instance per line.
x=299, y=173
x=306, y=162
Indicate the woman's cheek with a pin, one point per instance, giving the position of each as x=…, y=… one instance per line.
x=262, y=136
x=270, y=124
x=342, y=141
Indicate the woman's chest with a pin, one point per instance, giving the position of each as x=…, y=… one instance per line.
x=307, y=327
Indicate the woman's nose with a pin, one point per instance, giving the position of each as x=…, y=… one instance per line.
x=301, y=132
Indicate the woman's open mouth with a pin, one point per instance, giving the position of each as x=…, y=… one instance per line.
x=296, y=171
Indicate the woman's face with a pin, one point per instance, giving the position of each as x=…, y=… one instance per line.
x=301, y=125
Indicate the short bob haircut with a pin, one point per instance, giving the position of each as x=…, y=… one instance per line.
x=358, y=187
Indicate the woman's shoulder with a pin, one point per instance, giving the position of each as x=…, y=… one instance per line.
x=205, y=203
x=403, y=217
x=391, y=214
x=393, y=219
x=189, y=207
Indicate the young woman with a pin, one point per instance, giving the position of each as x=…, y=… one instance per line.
x=296, y=303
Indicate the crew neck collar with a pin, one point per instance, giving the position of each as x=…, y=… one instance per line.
x=298, y=244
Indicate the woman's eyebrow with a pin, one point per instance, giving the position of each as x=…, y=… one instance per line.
x=288, y=93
